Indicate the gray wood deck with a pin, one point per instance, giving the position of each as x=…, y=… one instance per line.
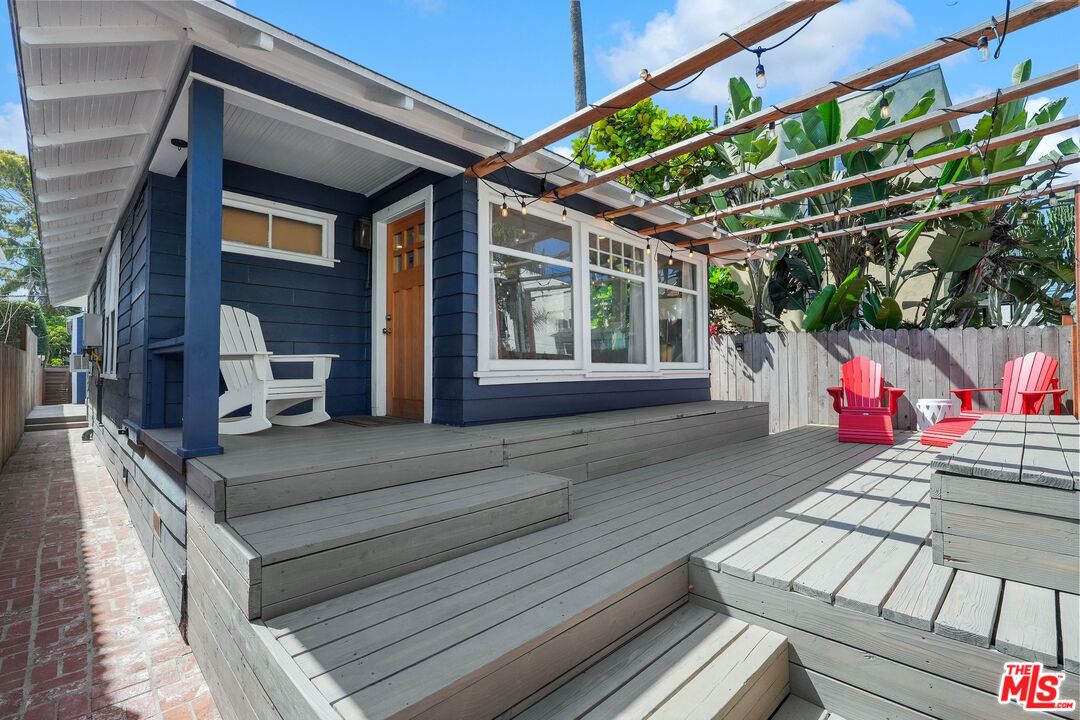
x=471, y=636
x=852, y=563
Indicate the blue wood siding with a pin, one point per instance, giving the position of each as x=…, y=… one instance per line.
x=458, y=397
x=303, y=308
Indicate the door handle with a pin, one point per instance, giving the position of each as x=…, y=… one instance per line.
x=386, y=331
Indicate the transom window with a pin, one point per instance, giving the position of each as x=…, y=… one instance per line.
x=253, y=226
x=571, y=297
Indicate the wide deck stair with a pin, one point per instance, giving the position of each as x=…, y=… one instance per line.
x=55, y=417
x=478, y=594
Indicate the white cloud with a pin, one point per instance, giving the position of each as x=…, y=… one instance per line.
x=565, y=150
x=12, y=128
x=831, y=44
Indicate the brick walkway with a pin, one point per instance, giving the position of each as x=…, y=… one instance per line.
x=84, y=630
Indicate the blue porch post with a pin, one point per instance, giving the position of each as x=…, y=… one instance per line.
x=202, y=278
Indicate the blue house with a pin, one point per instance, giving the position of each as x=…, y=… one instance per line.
x=188, y=156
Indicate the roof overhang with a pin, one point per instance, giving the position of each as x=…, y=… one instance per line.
x=103, y=89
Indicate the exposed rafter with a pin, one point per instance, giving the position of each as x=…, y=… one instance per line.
x=1060, y=125
x=78, y=193
x=97, y=36
x=46, y=217
x=939, y=49
x=52, y=173
x=72, y=137
x=760, y=28
x=69, y=229
x=100, y=88
x=893, y=222
x=907, y=199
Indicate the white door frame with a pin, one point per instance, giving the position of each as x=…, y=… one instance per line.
x=421, y=199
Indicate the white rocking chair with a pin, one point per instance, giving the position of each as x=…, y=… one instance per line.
x=249, y=379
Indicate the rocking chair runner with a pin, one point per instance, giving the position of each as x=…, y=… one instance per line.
x=1025, y=384
x=864, y=403
x=249, y=379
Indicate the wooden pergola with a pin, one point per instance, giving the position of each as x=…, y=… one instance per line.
x=875, y=79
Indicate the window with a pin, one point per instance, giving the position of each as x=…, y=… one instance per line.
x=678, y=311
x=109, y=310
x=617, y=322
x=532, y=288
x=564, y=296
x=259, y=227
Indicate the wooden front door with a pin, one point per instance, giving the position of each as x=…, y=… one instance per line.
x=405, y=317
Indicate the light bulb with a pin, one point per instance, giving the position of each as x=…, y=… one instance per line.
x=671, y=260
x=886, y=202
x=644, y=74
x=716, y=230
x=938, y=195
x=503, y=209
x=1053, y=199
x=564, y=213
x=983, y=47
x=867, y=252
x=667, y=185
x=865, y=233
x=524, y=208
x=985, y=177
x=690, y=252
x=910, y=159
x=648, y=247
x=759, y=73
x=886, y=111
x=1024, y=214
x=772, y=128
x=973, y=150
x=836, y=211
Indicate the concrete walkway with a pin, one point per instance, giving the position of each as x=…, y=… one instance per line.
x=84, y=630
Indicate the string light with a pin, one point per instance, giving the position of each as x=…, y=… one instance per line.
x=759, y=73
x=772, y=128
x=524, y=208
x=865, y=233
x=633, y=195
x=690, y=252
x=564, y=213
x=885, y=110
x=973, y=150
x=1024, y=213
x=984, y=178
x=910, y=159
x=667, y=185
x=503, y=209
x=1053, y=198
x=938, y=195
x=644, y=74
x=671, y=260
x=983, y=47
x=648, y=247
x=716, y=229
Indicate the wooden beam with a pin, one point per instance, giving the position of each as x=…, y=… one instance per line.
x=101, y=88
x=80, y=192
x=46, y=217
x=892, y=222
x=77, y=241
x=93, y=166
x=940, y=158
x=760, y=28
x=1022, y=17
x=88, y=135
x=97, y=36
x=907, y=199
x=53, y=233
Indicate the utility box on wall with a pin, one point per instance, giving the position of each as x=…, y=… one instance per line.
x=92, y=336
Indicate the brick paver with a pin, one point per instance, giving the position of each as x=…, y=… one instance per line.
x=84, y=629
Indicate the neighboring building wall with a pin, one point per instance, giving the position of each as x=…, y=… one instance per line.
x=459, y=399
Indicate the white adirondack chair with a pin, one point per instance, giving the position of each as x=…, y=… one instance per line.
x=249, y=379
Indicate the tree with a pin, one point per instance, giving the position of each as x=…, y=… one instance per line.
x=22, y=270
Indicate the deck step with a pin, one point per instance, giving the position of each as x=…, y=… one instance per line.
x=692, y=664
x=307, y=553
x=795, y=708
x=59, y=425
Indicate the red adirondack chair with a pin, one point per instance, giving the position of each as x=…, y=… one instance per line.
x=1025, y=384
x=865, y=405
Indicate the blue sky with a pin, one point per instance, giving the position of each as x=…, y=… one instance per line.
x=509, y=62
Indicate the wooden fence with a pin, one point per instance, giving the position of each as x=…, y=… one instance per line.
x=790, y=371
x=21, y=388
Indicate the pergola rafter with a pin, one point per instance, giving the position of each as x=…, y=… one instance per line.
x=757, y=249
x=1022, y=17
x=907, y=199
x=934, y=119
x=760, y=28
x=1038, y=131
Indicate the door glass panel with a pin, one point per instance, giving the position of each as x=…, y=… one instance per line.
x=411, y=260
x=397, y=263
x=410, y=236
x=398, y=241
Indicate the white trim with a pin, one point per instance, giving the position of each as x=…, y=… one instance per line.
x=421, y=199
x=499, y=372
x=111, y=310
x=290, y=212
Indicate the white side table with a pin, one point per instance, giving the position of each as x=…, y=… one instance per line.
x=931, y=410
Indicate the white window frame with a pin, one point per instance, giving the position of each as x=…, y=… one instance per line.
x=700, y=313
x=492, y=371
x=275, y=209
x=110, y=310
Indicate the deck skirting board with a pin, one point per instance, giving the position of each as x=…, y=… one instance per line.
x=943, y=661
x=846, y=700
